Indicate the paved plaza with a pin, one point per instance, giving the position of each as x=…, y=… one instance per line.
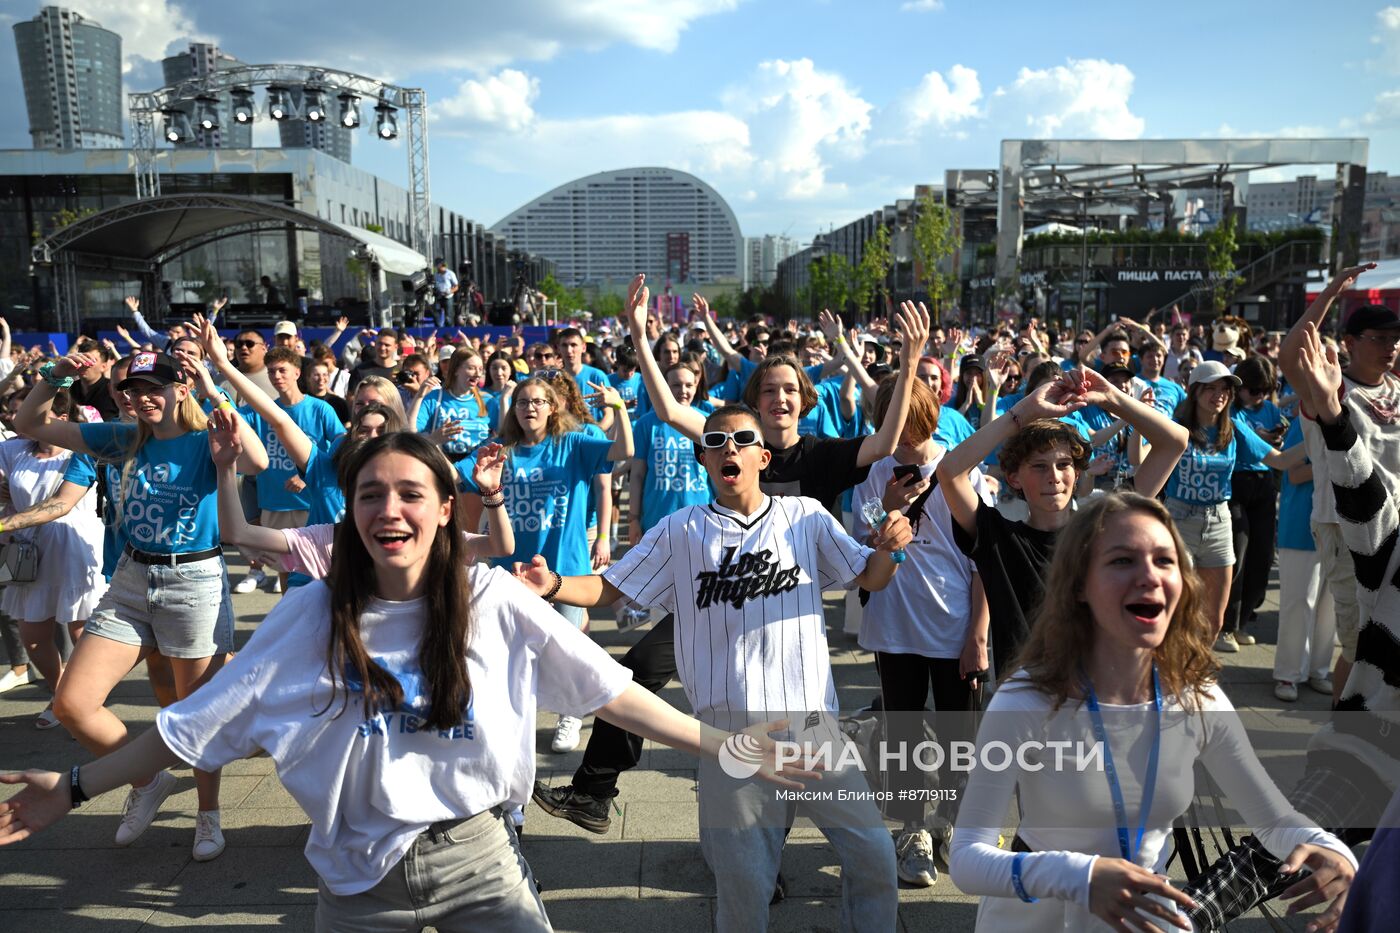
x=645, y=874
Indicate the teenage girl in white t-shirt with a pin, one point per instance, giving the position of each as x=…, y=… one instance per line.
x=397, y=700
x=1119, y=657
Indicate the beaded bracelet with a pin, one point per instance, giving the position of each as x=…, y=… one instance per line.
x=554, y=590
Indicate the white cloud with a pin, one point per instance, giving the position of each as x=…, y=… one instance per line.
x=1386, y=111
x=503, y=100
x=921, y=6
x=1387, y=36
x=150, y=29
x=1081, y=98
x=944, y=101
x=798, y=118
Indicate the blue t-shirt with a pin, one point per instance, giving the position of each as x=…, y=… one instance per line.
x=1166, y=395
x=441, y=406
x=630, y=389
x=318, y=420
x=1202, y=476
x=547, y=489
x=1267, y=417
x=326, y=500
x=82, y=471
x=586, y=375
x=169, y=505
x=1295, y=502
x=952, y=429
x=675, y=479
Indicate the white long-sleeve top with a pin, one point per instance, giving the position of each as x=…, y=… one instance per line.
x=1067, y=814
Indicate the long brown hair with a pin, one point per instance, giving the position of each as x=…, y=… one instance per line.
x=1062, y=635
x=1185, y=415
x=450, y=620
x=449, y=375
x=923, y=407
x=560, y=420
x=570, y=396
x=805, y=391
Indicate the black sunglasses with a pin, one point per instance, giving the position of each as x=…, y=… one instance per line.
x=744, y=437
x=546, y=373
x=245, y=344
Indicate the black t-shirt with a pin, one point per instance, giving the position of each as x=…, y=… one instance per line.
x=342, y=407
x=98, y=396
x=1012, y=558
x=821, y=468
x=368, y=368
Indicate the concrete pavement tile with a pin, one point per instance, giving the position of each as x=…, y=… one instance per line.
x=801, y=914
x=256, y=875
x=269, y=794
x=77, y=920
x=70, y=878
x=233, y=790
x=579, y=867
x=675, y=869
x=589, y=915
x=650, y=819
x=293, y=918
x=944, y=913
x=650, y=785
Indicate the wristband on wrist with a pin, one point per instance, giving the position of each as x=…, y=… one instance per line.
x=554, y=590
x=490, y=493
x=1016, y=879
x=58, y=382
x=2, y=528
x=75, y=789
x=495, y=503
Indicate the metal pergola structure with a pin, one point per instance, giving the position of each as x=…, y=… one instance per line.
x=1071, y=180
x=146, y=108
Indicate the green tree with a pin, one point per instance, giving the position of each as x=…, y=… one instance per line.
x=1221, y=244
x=607, y=305
x=936, y=237
x=832, y=277
x=570, y=300
x=872, y=273
x=725, y=305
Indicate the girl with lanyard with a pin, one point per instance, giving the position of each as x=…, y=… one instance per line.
x=458, y=399
x=1198, y=492
x=1118, y=661
x=170, y=587
x=545, y=486
x=69, y=580
x=397, y=700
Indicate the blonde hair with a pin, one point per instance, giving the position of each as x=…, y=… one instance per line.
x=388, y=394
x=1062, y=634
x=188, y=415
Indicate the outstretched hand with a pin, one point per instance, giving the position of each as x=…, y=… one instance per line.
x=757, y=743
x=830, y=325
x=638, y=298
x=536, y=575
x=44, y=801
x=914, y=325
x=1330, y=879
x=490, y=461
x=1055, y=398
x=225, y=446
x=1318, y=381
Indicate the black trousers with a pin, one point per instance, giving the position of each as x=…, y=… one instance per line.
x=610, y=750
x=905, y=683
x=1254, y=519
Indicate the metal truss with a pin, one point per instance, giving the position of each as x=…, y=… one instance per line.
x=145, y=109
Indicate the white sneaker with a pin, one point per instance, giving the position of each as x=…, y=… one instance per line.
x=1322, y=685
x=252, y=581
x=11, y=680
x=1226, y=643
x=141, y=806
x=274, y=583
x=1286, y=690
x=915, y=852
x=629, y=618
x=566, y=735
x=208, y=838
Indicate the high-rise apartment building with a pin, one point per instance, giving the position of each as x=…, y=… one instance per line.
x=326, y=135
x=201, y=60
x=761, y=257
x=72, y=73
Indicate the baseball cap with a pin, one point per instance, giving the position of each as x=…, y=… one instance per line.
x=284, y=329
x=1371, y=317
x=1211, y=371
x=972, y=361
x=153, y=368
x=446, y=352
x=1116, y=369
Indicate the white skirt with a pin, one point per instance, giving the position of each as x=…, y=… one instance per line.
x=69, y=582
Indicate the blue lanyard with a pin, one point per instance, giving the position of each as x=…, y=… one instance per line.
x=1114, y=788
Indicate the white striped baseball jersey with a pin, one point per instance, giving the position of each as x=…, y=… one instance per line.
x=746, y=592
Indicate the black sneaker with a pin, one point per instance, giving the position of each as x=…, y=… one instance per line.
x=779, y=890
x=592, y=813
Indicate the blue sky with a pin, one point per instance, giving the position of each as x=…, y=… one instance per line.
x=802, y=113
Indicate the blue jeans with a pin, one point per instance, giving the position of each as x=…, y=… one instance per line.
x=742, y=828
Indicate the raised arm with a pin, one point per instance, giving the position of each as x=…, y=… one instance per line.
x=914, y=327
x=842, y=352
x=683, y=418
x=1168, y=439
x=725, y=348
x=225, y=447
x=486, y=474
x=341, y=323
x=5, y=339
x=1053, y=399
x=32, y=419
x=292, y=437
x=1314, y=316
x=587, y=591
x=51, y=509
x=134, y=305
x=621, y=431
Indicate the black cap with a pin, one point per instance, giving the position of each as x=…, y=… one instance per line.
x=1371, y=317
x=972, y=361
x=1116, y=369
x=150, y=367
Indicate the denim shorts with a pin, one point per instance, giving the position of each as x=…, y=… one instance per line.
x=184, y=610
x=1207, y=531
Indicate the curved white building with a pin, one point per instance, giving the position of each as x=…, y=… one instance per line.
x=605, y=228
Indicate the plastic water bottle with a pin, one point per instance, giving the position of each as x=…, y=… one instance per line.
x=873, y=511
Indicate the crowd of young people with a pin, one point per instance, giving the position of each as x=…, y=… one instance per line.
x=409, y=495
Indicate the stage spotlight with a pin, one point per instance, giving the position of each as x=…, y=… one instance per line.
x=386, y=121
x=349, y=110
x=314, y=106
x=172, y=125
x=243, y=111
x=277, y=102
x=208, y=110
